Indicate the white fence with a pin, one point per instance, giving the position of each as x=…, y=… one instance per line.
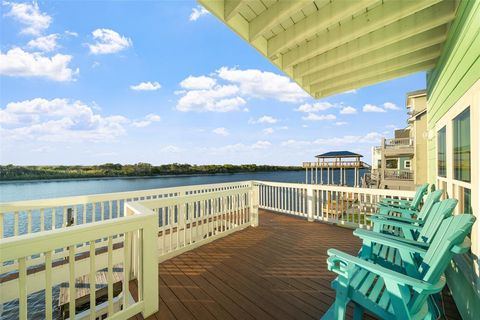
x=347, y=206
x=174, y=220
x=136, y=230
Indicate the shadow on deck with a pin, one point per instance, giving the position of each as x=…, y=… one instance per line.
x=275, y=271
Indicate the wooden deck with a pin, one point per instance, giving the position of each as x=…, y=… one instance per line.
x=275, y=271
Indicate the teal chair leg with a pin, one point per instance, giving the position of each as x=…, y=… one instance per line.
x=358, y=312
x=341, y=299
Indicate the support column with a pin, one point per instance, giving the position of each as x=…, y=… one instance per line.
x=310, y=204
x=328, y=175
x=341, y=177
x=345, y=176
x=316, y=175
x=306, y=175
x=253, y=193
x=321, y=175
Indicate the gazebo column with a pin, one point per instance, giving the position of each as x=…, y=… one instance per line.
x=306, y=175
x=328, y=175
x=321, y=175
x=316, y=175
x=345, y=176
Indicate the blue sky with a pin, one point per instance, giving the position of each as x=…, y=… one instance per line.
x=88, y=82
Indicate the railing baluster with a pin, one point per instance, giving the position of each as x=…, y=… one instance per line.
x=16, y=223
x=126, y=267
x=71, y=283
x=22, y=286
x=110, y=277
x=92, y=280
x=48, y=285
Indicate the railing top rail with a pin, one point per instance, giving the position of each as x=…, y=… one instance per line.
x=372, y=191
x=76, y=200
x=34, y=243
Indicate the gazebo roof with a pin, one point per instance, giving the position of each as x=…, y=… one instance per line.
x=339, y=154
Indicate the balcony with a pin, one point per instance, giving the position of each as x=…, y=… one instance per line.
x=398, y=146
x=268, y=259
x=401, y=175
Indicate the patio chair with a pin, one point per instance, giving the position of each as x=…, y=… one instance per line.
x=376, y=246
x=386, y=204
x=393, y=295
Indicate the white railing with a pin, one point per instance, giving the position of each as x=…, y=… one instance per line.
x=137, y=233
x=395, y=174
x=347, y=206
x=176, y=220
x=398, y=142
x=22, y=217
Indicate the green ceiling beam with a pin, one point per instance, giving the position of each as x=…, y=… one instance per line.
x=387, y=13
x=319, y=21
x=398, y=49
x=378, y=77
x=383, y=67
x=274, y=15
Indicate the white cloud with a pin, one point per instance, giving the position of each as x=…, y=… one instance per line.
x=146, y=86
x=262, y=84
x=228, y=89
x=58, y=120
x=322, y=117
x=71, y=33
x=315, y=107
x=29, y=15
x=264, y=119
x=340, y=123
x=390, y=106
x=268, y=130
x=261, y=144
x=372, y=108
x=45, y=43
x=221, y=131
x=18, y=63
x=348, y=110
x=350, y=140
x=201, y=82
x=217, y=99
x=108, y=41
x=198, y=12
x=146, y=121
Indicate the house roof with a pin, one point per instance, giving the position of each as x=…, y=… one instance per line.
x=329, y=47
x=339, y=154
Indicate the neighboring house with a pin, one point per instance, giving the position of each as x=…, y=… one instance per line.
x=400, y=162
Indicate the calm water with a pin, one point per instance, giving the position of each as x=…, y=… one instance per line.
x=29, y=190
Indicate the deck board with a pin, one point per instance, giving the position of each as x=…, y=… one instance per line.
x=274, y=271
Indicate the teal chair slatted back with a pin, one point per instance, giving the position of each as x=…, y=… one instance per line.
x=432, y=198
x=451, y=238
x=439, y=212
x=417, y=199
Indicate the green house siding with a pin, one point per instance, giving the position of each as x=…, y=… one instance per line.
x=456, y=71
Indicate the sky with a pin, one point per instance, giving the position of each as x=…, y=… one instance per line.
x=91, y=82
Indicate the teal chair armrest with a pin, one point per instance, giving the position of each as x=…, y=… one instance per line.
x=393, y=241
x=397, y=218
x=423, y=287
x=394, y=223
x=389, y=201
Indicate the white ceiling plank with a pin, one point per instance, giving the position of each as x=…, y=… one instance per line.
x=380, y=16
x=326, y=16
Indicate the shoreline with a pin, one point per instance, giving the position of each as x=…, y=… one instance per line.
x=179, y=175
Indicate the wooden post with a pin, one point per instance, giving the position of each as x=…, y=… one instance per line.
x=310, y=204
x=150, y=267
x=306, y=175
x=321, y=175
x=254, y=191
x=328, y=175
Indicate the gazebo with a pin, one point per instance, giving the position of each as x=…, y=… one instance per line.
x=335, y=160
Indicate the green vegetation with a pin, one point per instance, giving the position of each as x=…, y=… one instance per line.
x=11, y=172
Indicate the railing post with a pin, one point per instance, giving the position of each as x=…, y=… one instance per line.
x=150, y=275
x=310, y=204
x=253, y=195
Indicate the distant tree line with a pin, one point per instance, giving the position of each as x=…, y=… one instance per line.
x=12, y=172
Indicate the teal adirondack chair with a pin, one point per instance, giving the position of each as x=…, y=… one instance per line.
x=408, y=215
x=386, y=204
x=422, y=236
x=411, y=230
x=393, y=295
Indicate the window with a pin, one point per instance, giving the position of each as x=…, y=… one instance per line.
x=379, y=164
x=407, y=164
x=391, y=163
x=461, y=146
x=442, y=152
